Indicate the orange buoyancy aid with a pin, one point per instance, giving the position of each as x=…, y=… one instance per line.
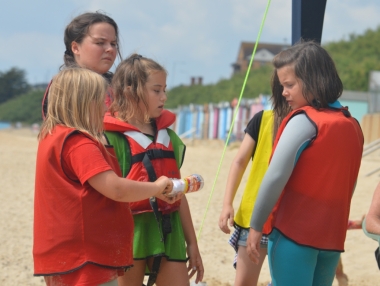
x=73, y=223
x=314, y=207
x=150, y=159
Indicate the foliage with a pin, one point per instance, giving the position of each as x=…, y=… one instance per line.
x=258, y=82
x=25, y=108
x=12, y=84
x=355, y=58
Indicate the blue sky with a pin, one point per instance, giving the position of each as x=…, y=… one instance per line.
x=190, y=38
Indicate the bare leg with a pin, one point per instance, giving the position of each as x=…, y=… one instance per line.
x=339, y=274
x=247, y=272
x=133, y=276
x=172, y=273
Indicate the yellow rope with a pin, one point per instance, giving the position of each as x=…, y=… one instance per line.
x=234, y=117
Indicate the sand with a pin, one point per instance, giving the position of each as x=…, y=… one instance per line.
x=17, y=168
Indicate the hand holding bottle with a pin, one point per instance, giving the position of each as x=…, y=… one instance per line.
x=192, y=183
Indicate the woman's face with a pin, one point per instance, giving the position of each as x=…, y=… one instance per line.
x=292, y=87
x=98, y=49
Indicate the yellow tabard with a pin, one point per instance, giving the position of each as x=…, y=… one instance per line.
x=259, y=166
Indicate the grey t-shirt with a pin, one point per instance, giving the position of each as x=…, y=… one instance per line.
x=296, y=136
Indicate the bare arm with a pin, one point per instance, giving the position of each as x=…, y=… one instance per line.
x=98, y=173
x=237, y=169
x=195, y=260
x=123, y=190
x=373, y=216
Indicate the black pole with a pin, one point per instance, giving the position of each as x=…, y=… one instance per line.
x=307, y=20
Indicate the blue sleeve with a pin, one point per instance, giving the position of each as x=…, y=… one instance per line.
x=296, y=136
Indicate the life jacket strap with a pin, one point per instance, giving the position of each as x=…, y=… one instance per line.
x=152, y=154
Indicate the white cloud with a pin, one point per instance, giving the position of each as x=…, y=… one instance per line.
x=42, y=54
x=193, y=38
x=343, y=18
x=247, y=14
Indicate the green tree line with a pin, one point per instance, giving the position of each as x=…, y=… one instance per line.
x=12, y=84
x=354, y=57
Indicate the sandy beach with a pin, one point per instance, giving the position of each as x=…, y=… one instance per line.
x=17, y=169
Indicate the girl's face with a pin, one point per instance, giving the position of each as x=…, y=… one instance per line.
x=156, y=93
x=98, y=49
x=292, y=87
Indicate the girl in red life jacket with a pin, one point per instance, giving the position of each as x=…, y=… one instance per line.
x=83, y=225
x=91, y=41
x=312, y=173
x=139, y=125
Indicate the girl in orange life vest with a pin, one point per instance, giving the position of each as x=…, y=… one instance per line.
x=256, y=145
x=92, y=42
x=83, y=226
x=312, y=173
x=138, y=122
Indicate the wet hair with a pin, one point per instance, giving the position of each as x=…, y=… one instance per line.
x=312, y=65
x=129, y=86
x=77, y=30
x=76, y=100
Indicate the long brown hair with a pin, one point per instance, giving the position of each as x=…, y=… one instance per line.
x=312, y=64
x=129, y=86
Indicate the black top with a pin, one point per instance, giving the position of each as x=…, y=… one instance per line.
x=253, y=126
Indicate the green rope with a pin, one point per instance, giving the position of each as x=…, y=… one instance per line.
x=234, y=117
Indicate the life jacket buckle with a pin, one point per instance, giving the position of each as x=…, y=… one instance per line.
x=155, y=153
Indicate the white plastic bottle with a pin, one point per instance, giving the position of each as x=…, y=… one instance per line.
x=192, y=183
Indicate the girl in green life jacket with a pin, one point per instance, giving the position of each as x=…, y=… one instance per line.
x=165, y=245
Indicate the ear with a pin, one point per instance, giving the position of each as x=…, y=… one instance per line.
x=75, y=48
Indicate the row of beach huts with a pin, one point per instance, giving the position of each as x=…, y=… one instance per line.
x=214, y=120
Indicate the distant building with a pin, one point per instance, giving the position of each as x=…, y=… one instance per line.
x=264, y=55
x=196, y=80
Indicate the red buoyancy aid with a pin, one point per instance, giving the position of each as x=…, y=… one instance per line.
x=150, y=159
x=314, y=207
x=73, y=223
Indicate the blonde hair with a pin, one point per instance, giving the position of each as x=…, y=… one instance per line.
x=129, y=86
x=76, y=100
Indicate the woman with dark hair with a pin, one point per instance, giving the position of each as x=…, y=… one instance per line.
x=92, y=42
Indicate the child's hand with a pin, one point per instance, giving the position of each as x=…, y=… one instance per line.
x=355, y=224
x=165, y=186
x=195, y=263
x=226, y=219
x=253, y=245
